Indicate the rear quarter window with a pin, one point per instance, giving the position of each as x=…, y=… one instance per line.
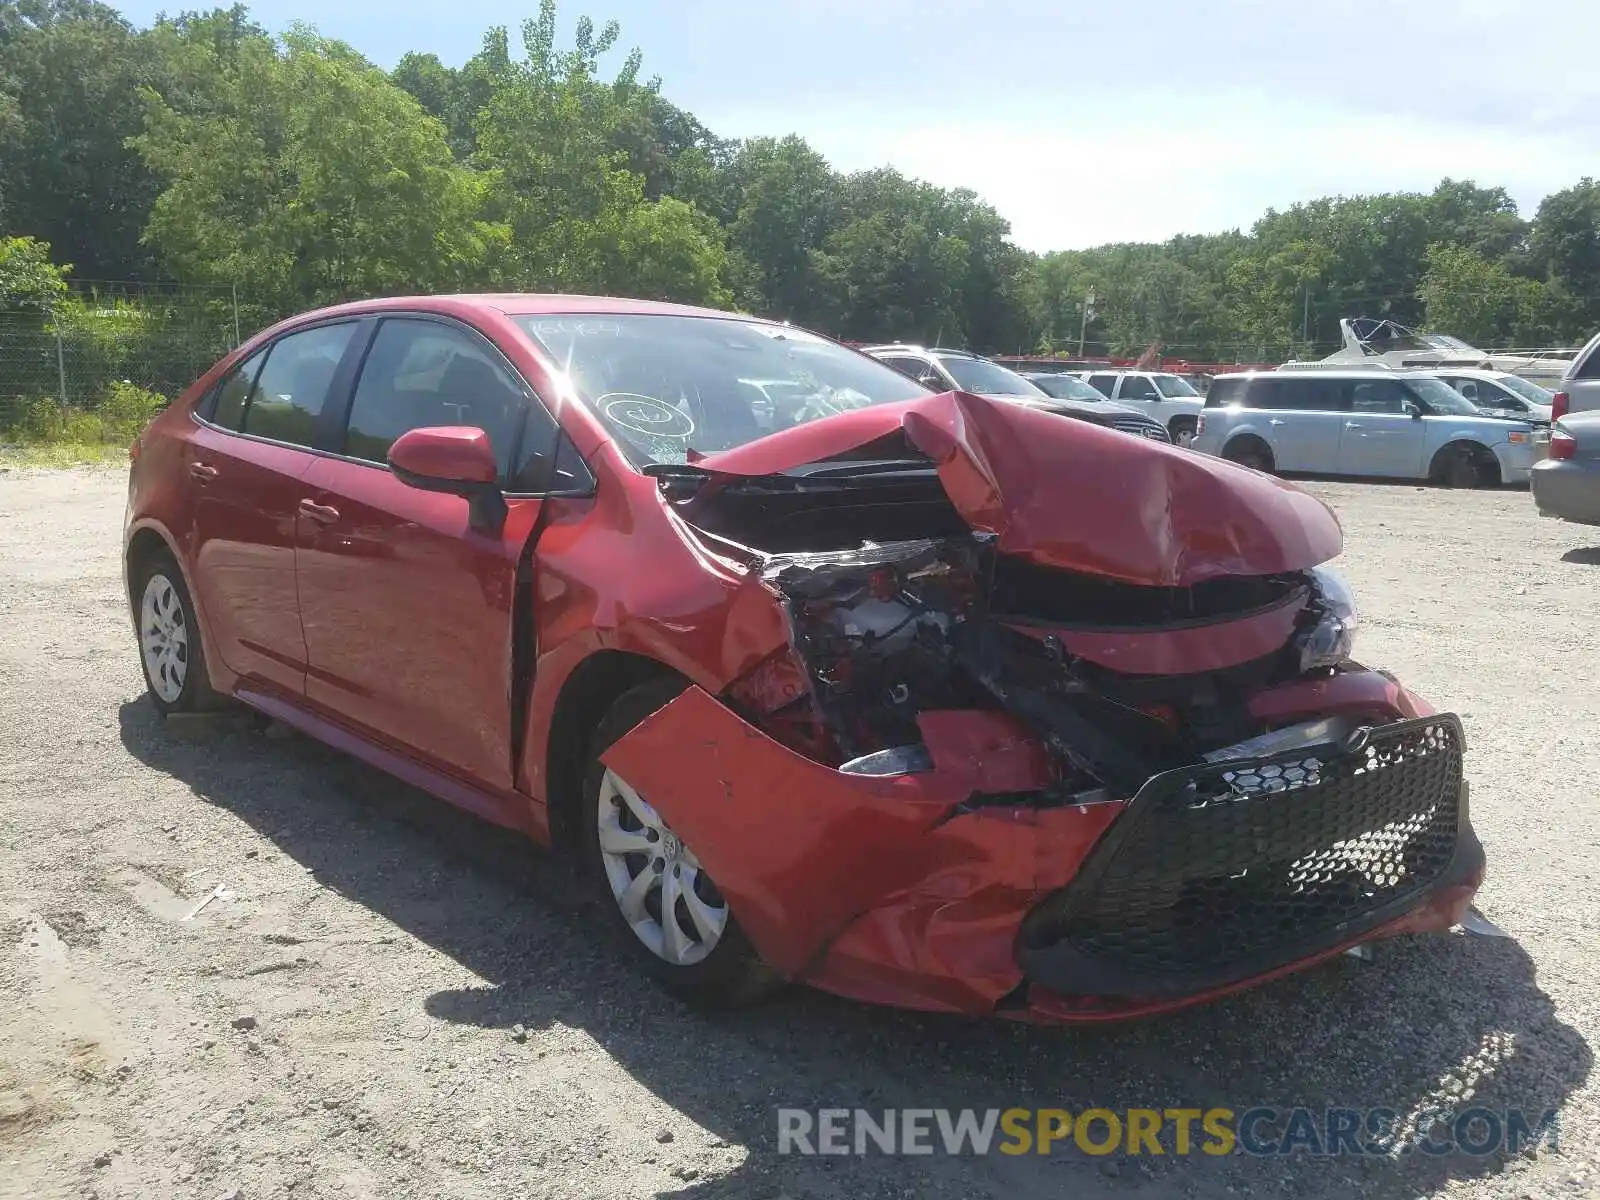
x=1225, y=392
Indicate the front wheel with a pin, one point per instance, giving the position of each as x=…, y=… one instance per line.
x=678, y=927
x=169, y=639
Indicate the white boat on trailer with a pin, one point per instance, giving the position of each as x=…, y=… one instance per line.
x=1374, y=342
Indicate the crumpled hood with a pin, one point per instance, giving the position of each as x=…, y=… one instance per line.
x=1069, y=494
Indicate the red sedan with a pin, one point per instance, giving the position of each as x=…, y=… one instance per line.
x=929, y=700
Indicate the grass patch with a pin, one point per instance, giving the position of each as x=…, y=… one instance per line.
x=41, y=432
x=62, y=454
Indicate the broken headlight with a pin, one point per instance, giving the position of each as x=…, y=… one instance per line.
x=1330, y=641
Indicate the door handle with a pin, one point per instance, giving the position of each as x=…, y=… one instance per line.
x=204, y=472
x=323, y=514
x=1352, y=424
x=1275, y=421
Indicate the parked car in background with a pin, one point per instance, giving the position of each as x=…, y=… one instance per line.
x=923, y=699
x=1567, y=483
x=959, y=370
x=1377, y=423
x=1579, y=389
x=1064, y=386
x=1502, y=394
x=1168, y=398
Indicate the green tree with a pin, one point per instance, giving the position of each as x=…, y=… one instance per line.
x=1565, y=249
x=70, y=72
x=579, y=215
x=787, y=206
x=29, y=281
x=1469, y=296
x=307, y=174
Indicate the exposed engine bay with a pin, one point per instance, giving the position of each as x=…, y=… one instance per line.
x=889, y=630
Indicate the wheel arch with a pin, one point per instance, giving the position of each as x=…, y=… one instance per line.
x=1247, y=437
x=145, y=543
x=593, y=686
x=1483, y=455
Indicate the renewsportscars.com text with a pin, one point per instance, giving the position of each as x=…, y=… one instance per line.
x=1256, y=1131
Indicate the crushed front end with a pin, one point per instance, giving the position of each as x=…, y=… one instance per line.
x=990, y=774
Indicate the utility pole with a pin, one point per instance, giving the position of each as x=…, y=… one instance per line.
x=1083, y=329
x=1305, y=317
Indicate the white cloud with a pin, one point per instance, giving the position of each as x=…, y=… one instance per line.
x=1146, y=167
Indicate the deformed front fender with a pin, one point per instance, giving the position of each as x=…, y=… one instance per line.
x=801, y=850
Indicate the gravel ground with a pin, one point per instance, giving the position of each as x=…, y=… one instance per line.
x=387, y=999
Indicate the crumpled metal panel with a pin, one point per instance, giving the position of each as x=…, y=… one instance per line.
x=1069, y=494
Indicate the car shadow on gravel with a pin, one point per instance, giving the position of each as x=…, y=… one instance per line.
x=1588, y=556
x=1431, y=1024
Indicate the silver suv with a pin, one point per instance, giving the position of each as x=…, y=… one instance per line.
x=1579, y=389
x=1378, y=423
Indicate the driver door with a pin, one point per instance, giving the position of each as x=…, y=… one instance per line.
x=1380, y=436
x=407, y=608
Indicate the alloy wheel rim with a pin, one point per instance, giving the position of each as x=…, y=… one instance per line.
x=662, y=891
x=164, y=638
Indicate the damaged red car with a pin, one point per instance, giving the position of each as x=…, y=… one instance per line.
x=924, y=699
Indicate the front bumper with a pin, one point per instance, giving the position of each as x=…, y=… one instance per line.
x=926, y=891
x=1227, y=871
x=1569, y=489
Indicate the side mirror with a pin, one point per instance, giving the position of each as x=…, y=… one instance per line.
x=931, y=380
x=1411, y=410
x=457, y=460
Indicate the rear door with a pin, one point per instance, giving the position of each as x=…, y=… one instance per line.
x=408, y=609
x=247, y=459
x=1301, y=420
x=1380, y=436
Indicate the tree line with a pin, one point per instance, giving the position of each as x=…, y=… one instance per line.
x=207, y=151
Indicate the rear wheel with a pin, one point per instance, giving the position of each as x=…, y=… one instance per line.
x=1249, y=452
x=169, y=639
x=664, y=904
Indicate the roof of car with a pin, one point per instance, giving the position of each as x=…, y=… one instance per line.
x=529, y=304
x=908, y=348
x=1330, y=373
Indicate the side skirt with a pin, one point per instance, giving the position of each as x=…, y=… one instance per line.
x=509, y=811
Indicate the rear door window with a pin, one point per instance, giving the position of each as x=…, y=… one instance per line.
x=226, y=404
x=1104, y=384
x=1138, y=387
x=293, y=385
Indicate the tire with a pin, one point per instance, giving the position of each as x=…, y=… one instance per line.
x=1459, y=467
x=171, y=653
x=709, y=962
x=1249, y=452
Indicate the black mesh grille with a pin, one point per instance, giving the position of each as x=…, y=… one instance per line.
x=1140, y=427
x=1224, y=870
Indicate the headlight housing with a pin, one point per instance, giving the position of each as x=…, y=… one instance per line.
x=1330, y=641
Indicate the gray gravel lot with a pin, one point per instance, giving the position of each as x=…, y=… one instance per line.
x=339, y=1020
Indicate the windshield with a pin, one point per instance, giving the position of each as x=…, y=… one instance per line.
x=1440, y=397
x=666, y=385
x=1441, y=341
x=1526, y=388
x=1066, y=387
x=984, y=378
x=1174, y=385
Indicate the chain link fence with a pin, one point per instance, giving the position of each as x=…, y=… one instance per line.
x=64, y=369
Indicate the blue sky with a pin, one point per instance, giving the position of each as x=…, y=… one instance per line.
x=1086, y=123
